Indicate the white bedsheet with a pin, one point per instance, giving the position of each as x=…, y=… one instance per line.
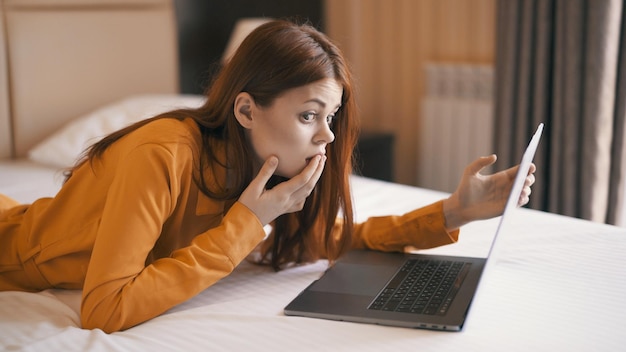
x=25, y=181
x=559, y=285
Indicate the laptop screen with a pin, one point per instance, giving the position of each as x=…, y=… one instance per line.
x=518, y=183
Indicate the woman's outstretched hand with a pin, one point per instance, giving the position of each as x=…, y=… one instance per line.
x=287, y=197
x=481, y=196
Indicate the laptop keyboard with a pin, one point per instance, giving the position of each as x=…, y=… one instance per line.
x=422, y=286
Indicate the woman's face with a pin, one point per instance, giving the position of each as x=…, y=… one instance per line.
x=295, y=127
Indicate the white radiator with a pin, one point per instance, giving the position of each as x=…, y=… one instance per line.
x=457, y=122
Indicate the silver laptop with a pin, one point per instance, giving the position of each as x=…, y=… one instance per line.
x=401, y=289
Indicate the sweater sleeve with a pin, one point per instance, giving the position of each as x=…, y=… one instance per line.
x=421, y=228
x=120, y=291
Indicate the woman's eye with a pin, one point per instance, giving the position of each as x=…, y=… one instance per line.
x=309, y=116
x=312, y=116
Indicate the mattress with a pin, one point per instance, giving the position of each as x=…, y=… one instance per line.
x=558, y=284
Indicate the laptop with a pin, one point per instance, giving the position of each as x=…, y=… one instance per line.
x=403, y=289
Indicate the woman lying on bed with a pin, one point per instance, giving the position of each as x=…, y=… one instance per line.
x=163, y=209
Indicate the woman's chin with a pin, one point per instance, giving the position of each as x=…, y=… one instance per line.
x=288, y=173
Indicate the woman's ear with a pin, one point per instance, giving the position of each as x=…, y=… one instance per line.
x=243, y=109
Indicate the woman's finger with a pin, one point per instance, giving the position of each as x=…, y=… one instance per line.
x=267, y=170
x=479, y=164
x=308, y=176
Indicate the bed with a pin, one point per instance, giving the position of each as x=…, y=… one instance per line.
x=72, y=70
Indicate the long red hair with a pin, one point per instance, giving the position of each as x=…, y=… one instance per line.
x=275, y=57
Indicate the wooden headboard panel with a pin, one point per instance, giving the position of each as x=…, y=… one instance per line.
x=60, y=59
x=5, y=126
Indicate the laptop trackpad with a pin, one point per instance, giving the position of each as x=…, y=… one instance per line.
x=354, y=279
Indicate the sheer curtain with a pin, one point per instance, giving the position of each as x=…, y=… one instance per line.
x=562, y=62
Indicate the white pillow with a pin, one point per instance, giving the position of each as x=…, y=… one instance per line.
x=63, y=148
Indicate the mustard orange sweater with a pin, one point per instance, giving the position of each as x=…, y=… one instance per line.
x=133, y=231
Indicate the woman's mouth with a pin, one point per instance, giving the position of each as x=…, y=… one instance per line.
x=308, y=160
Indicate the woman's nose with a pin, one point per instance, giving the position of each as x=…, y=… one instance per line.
x=325, y=134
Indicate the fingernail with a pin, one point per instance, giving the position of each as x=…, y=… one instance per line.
x=273, y=161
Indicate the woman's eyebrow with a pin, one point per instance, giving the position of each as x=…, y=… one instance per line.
x=321, y=103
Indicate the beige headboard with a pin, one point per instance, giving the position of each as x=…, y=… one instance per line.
x=60, y=59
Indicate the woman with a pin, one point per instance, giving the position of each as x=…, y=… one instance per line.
x=159, y=211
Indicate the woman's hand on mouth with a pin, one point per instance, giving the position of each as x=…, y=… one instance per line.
x=287, y=197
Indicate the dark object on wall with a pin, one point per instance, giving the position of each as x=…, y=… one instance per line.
x=374, y=156
x=204, y=28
